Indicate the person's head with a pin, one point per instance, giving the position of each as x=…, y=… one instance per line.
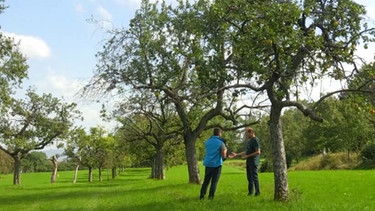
x=217, y=132
x=249, y=132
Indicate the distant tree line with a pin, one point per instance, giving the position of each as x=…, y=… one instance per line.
x=348, y=127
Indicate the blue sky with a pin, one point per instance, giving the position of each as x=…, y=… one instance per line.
x=60, y=43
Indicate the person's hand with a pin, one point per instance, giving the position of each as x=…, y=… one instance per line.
x=232, y=155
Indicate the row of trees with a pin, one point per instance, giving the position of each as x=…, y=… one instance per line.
x=96, y=149
x=30, y=123
x=183, y=70
x=214, y=62
x=348, y=127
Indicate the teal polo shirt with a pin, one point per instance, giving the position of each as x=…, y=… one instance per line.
x=213, y=146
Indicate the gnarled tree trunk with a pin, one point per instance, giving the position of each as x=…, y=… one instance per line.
x=54, y=170
x=279, y=159
x=17, y=170
x=192, y=161
x=158, y=165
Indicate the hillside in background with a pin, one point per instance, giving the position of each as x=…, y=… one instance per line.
x=332, y=161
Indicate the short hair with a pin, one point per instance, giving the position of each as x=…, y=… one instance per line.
x=249, y=130
x=217, y=131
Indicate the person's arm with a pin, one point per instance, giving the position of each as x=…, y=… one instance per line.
x=234, y=154
x=224, y=153
x=257, y=152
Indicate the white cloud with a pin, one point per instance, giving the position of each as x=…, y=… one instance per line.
x=32, y=47
x=106, y=18
x=62, y=87
x=79, y=8
x=59, y=85
x=129, y=3
x=91, y=117
x=104, y=13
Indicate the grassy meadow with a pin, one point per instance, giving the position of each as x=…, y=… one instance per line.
x=132, y=190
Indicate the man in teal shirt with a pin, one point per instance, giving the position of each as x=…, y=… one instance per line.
x=216, y=152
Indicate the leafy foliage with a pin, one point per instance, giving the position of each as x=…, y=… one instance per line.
x=202, y=56
x=36, y=162
x=368, y=153
x=32, y=124
x=171, y=58
x=13, y=68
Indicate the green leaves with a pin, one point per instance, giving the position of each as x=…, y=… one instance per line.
x=13, y=68
x=35, y=122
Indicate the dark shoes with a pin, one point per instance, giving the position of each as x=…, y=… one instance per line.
x=201, y=197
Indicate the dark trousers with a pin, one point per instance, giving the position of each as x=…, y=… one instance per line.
x=210, y=175
x=252, y=178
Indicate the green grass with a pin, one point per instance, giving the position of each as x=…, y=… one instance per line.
x=132, y=190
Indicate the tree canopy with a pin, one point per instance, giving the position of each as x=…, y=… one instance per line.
x=32, y=124
x=205, y=56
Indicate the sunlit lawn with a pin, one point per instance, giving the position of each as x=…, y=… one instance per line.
x=132, y=190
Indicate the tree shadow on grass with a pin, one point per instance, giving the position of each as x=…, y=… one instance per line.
x=122, y=193
x=78, y=194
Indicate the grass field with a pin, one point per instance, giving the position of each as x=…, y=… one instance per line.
x=132, y=190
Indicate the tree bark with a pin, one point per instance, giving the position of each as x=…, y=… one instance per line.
x=54, y=170
x=75, y=174
x=158, y=165
x=192, y=161
x=279, y=159
x=90, y=174
x=114, y=172
x=17, y=170
x=100, y=174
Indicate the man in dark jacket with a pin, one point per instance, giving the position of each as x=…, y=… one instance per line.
x=252, y=156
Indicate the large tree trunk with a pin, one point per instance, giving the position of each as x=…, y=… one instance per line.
x=114, y=172
x=17, y=170
x=54, y=170
x=75, y=174
x=192, y=161
x=158, y=165
x=279, y=158
x=90, y=174
x=100, y=174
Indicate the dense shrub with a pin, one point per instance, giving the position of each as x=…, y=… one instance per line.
x=266, y=166
x=331, y=161
x=368, y=153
